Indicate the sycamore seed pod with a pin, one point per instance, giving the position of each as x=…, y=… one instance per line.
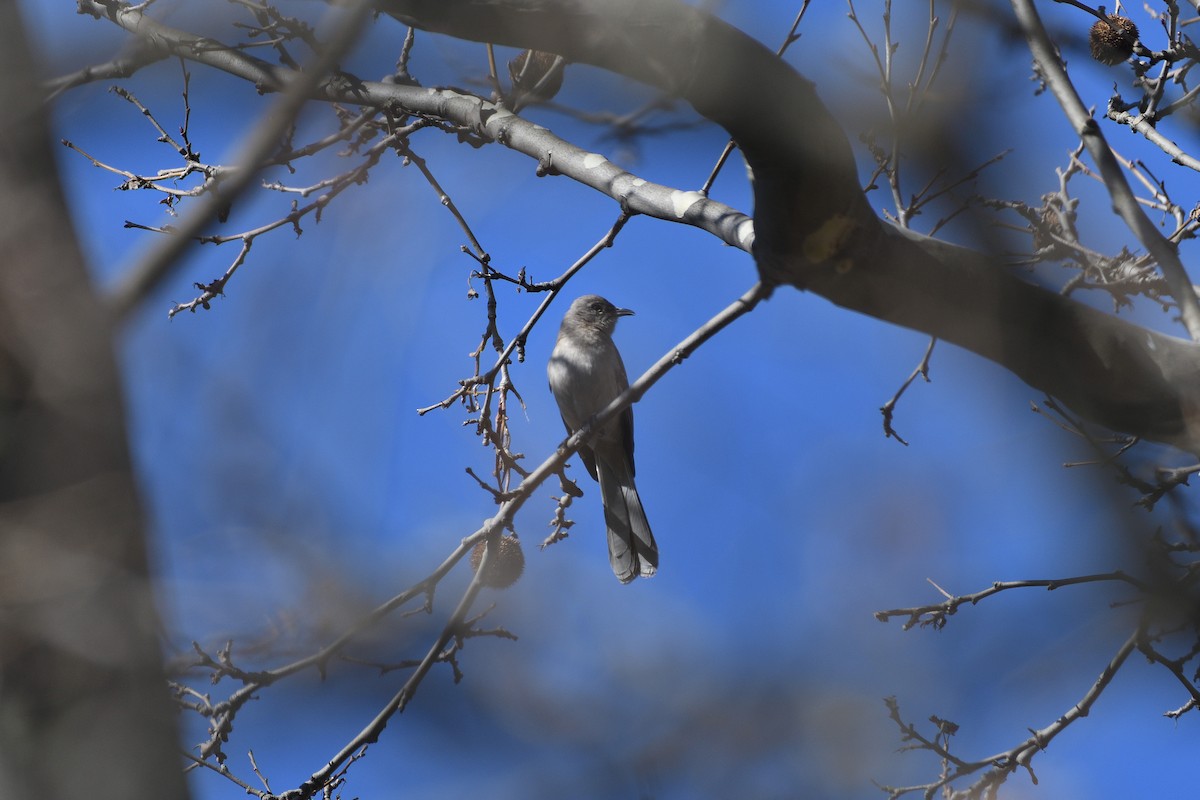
x=504, y=567
x=1112, y=41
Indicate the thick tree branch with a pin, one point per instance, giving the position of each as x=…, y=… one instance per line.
x=814, y=229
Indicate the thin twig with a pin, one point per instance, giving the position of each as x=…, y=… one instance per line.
x=889, y=407
x=935, y=615
x=1000, y=765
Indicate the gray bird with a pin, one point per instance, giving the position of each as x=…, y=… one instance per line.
x=586, y=374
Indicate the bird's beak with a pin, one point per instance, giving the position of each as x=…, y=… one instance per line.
x=624, y=312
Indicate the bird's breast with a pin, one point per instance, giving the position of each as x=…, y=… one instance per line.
x=584, y=380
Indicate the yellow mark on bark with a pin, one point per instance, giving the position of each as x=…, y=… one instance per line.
x=829, y=240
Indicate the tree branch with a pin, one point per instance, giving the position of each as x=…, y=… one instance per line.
x=156, y=260
x=814, y=229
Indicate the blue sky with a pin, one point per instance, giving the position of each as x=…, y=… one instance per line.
x=289, y=482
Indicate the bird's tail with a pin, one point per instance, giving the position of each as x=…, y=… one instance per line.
x=631, y=547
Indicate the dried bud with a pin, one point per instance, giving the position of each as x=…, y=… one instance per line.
x=528, y=69
x=504, y=567
x=1112, y=41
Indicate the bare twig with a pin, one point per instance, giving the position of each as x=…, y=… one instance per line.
x=889, y=407
x=999, y=766
x=935, y=615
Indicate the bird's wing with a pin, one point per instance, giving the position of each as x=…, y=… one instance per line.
x=626, y=419
x=585, y=453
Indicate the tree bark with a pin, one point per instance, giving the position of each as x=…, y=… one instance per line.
x=84, y=710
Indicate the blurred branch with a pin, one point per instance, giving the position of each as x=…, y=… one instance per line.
x=329, y=189
x=370, y=734
x=82, y=707
x=141, y=53
x=1165, y=479
x=222, y=715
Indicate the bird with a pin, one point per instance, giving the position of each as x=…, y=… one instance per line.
x=586, y=373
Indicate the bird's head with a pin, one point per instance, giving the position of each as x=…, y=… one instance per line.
x=593, y=312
